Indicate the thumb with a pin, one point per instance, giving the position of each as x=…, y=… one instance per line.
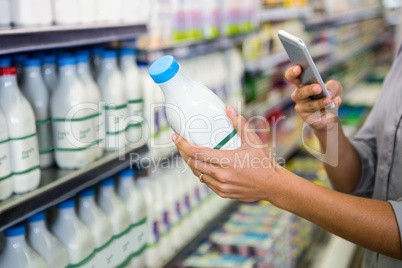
x=246, y=134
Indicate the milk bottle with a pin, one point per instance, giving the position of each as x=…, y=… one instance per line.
x=17, y=253
x=49, y=72
x=96, y=60
x=135, y=203
x=197, y=108
x=66, y=12
x=74, y=118
x=99, y=225
x=135, y=99
x=87, y=11
x=18, y=62
x=119, y=217
x=48, y=246
x=21, y=13
x=73, y=234
x=5, y=13
x=22, y=135
x=34, y=89
x=6, y=176
x=43, y=12
x=113, y=94
x=153, y=224
x=92, y=89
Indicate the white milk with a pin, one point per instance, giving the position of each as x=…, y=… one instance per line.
x=94, y=94
x=87, y=11
x=22, y=14
x=135, y=203
x=119, y=217
x=21, y=132
x=43, y=12
x=135, y=106
x=73, y=234
x=74, y=119
x=99, y=225
x=48, y=246
x=153, y=225
x=6, y=175
x=34, y=89
x=66, y=12
x=16, y=248
x=200, y=116
x=49, y=72
x=5, y=13
x=113, y=94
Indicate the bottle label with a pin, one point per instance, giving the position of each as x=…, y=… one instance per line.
x=153, y=237
x=138, y=239
x=104, y=254
x=136, y=113
x=75, y=134
x=24, y=154
x=5, y=165
x=44, y=129
x=125, y=245
x=115, y=125
x=88, y=262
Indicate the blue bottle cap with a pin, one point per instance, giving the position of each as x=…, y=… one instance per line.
x=69, y=203
x=32, y=62
x=38, y=55
x=109, y=54
x=127, y=52
x=5, y=62
x=142, y=64
x=15, y=230
x=127, y=173
x=97, y=50
x=19, y=58
x=107, y=182
x=87, y=192
x=49, y=59
x=164, y=69
x=82, y=56
x=66, y=60
x=40, y=216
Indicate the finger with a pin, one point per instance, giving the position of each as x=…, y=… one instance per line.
x=334, y=88
x=202, y=167
x=292, y=75
x=247, y=135
x=198, y=152
x=314, y=105
x=303, y=93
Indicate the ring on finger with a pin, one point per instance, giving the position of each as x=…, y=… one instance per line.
x=202, y=175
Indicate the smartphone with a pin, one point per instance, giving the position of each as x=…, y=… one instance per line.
x=299, y=55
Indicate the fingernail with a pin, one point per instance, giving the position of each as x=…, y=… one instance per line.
x=233, y=111
x=327, y=101
x=295, y=70
x=174, y=137
x=316, y=89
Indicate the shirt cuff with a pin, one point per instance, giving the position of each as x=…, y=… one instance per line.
x=397, y=207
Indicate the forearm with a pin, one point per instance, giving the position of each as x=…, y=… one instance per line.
x=342, y=162
x=368, y=223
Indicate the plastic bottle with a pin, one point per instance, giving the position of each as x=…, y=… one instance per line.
x=22, y=14
x=87, y=11
x=66, y=12
x=18, y=62
x=96, y=60
x=74, y=141
x=21, y=132
x=119, y=217
x=92, y=89
x=17, y=253
x=197, y=107
x=99, y=225
x=43, y=12
x=235, y=71
x=135, y=104
x=5, y=13
x=34, y=89
x=135, y=203
x=210, y=18
x=113, y=94
x=46, y=244
x=153, y=225
x=49, y=72
x=74, y=235
x=6, y=175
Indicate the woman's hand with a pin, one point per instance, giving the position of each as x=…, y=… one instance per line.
x=246, y=174
x=313, y=111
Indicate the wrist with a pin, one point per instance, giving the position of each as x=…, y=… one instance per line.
x=279, y=187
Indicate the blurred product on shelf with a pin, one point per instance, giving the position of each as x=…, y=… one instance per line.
x=328, y=7
x=23, y=140
x=17, y=253
x=6, y=175
x=5, y=14
x=194, y=101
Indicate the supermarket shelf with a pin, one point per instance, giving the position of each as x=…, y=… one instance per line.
x=280, y=14
x=189, y=49
x=266, y=107
x=58, y=185
x=19, y=40
x=343, y=18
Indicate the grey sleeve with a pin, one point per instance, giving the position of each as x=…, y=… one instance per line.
x=397, y=207
x=366, y=146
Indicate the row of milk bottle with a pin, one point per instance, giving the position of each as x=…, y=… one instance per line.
x=28, y=13
x=107, y=231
